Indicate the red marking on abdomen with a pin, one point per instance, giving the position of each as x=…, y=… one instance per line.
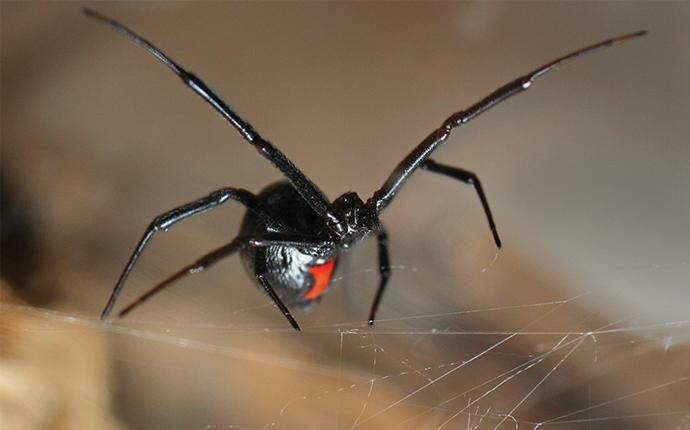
x=322, y=276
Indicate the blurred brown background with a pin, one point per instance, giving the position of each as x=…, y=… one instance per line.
x=587, y=175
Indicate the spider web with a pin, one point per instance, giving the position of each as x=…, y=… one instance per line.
x=540, y=364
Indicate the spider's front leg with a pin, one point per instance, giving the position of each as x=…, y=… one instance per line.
x=308, y=191
x=165, y=221
x=415, y=159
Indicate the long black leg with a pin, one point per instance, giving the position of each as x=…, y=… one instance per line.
x=384, y=272
x=198, y=266
x=290, y=240
x=305, y=187
x=172, y=217
x=409, y=164
x=260, y=269
x=468, y=178
x=213, y=257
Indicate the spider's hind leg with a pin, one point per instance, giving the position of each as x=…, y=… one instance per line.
x=198, y=266
x=208, y=260
x=470, y=179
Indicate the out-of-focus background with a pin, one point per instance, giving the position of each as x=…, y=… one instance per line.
x=581, y=321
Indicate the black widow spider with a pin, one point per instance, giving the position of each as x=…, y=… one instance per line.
x=291, y=236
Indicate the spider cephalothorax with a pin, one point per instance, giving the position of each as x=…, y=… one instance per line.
x=292, y=235
x=359, y=219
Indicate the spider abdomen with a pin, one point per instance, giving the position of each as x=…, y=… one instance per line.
x=299, y=275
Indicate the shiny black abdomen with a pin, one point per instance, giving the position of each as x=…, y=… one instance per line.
x=287, y=267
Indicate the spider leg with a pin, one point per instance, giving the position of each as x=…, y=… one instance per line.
x=216, y=255
x=289, y=240
x=409, y=164
x=198, y=266
x=260, y=269
x=172, y=217
x=468, y=178
x=314, y=197
x=384, y=272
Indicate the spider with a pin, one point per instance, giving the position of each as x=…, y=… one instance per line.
x=292, y=236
